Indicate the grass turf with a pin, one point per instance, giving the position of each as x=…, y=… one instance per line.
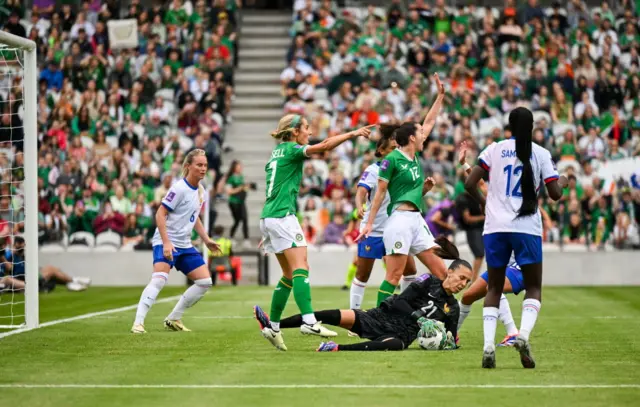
x=584, y=336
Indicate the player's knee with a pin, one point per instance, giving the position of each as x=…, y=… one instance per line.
x=158, y=280
x=394, y=344
x=363, y=276
x=205, y=283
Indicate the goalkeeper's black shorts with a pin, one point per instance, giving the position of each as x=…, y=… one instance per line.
x=377, y=325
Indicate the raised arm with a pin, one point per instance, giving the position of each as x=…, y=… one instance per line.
x=430, y=120
x=332, y=142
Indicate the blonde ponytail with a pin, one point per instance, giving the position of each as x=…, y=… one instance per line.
x=286, y=125
x=188, y=160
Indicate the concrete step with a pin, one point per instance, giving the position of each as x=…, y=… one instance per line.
x=257, y=114
x=264, y=18
x=264, y=53
x=264, y=41
x=258, y=102
x=242, y=90
x=258, y=77
x=272, y=68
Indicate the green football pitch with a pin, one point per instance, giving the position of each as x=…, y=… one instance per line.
x=587, y=345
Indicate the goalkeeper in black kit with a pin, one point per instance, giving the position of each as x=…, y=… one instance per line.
x=395, y=324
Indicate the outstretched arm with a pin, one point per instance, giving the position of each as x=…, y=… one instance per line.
x=430, y=120
x=332, y=142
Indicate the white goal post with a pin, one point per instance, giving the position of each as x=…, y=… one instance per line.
x=30, y=183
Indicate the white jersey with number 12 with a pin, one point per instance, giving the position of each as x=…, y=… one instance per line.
x=504, y=196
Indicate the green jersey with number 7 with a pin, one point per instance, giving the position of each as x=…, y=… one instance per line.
x=284, y=175
x=405, y=179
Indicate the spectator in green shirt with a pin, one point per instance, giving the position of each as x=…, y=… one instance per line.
x=80, y=220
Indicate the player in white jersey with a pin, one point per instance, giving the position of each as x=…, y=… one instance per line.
x=516, y=168
x=372, y=247
x=176, y=219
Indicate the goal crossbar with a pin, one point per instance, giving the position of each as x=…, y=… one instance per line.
x=30, y=183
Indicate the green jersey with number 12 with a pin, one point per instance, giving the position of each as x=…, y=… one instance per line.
x=405, y=180
x=284, y=175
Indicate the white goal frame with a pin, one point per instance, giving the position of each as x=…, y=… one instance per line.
x=30, y=183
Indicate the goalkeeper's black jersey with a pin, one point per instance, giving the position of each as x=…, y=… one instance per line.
x=429, y=299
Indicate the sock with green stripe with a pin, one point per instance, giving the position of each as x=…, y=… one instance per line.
x=302, y=295
x=351, y=273
x=385, y=291
x=279, y=301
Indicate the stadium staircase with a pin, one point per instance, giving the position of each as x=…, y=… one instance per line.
x=264, y=41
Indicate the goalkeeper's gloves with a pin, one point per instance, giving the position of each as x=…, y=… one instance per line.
x=451, y=342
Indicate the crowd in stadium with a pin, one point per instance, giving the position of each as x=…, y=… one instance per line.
x=114, y=123
x=576, y=68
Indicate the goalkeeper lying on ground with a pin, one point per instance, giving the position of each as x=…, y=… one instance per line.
x=395, y=324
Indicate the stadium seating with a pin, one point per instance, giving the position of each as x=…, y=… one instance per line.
x=374, y=37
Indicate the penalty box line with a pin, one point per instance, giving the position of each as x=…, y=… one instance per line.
x=317, y=386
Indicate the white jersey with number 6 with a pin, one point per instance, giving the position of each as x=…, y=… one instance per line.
x=183, y=202
x=504, y=196
x=369, y=181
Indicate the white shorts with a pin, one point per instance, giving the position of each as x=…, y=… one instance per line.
x=407, y=233
x=280, y=234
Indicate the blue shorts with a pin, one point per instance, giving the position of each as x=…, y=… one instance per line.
x=371, y=248
x=513, y=275
x=498, y=247
x=184, y=260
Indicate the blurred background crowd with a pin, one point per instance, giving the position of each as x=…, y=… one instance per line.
x=115, y=123
x=575, y=67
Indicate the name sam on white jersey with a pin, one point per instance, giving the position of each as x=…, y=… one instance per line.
x=369, y=181
x=183, y=202
x=504, y=196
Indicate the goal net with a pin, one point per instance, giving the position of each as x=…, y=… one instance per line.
x=18, y=184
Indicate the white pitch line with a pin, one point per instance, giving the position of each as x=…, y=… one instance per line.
x=317, y=386
x=84, y=316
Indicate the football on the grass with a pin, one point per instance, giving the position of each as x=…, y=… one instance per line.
x=432, y=335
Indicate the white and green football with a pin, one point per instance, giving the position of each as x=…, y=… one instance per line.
x=432, y=334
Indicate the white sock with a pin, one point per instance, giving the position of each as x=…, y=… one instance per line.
x=190, y=297
x=530, y=310
x=464, y=313
x=504, y=315
x=149, y=295
x=309, y=319
x=490, y=316
x=406, y=281
x=275, y=326
x=356, y=293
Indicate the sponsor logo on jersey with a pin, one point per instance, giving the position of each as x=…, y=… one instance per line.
x=404, y=166
x=384, y=165
x=398, y=245
x=446, y=308
x=299, y=237
x=170, y=196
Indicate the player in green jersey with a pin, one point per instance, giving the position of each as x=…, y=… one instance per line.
x=406, y=232
x=281, y=231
